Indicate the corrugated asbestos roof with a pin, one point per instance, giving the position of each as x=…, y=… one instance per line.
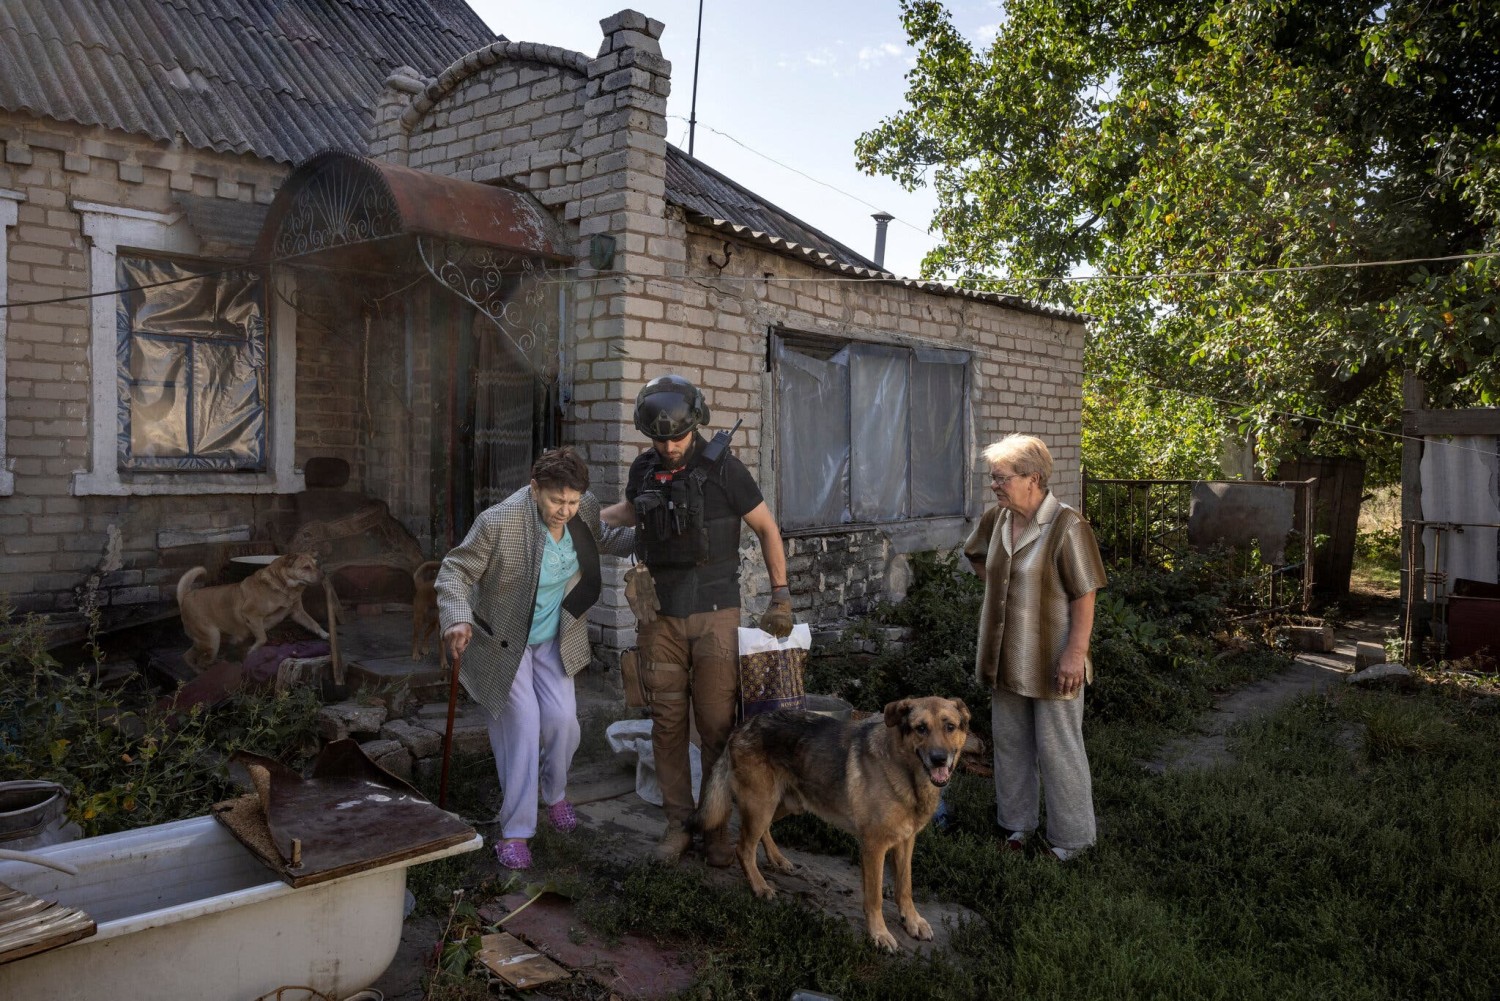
x=713, y=200
x=281, y=79
x=701, y=190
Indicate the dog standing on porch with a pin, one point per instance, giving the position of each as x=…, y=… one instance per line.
x=248, y=609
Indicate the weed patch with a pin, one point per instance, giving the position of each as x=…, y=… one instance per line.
x=124, y=763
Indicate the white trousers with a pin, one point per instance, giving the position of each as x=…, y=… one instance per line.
x=534, y=738
x=1042, y=739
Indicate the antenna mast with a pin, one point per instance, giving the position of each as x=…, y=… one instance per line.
x=693, y=111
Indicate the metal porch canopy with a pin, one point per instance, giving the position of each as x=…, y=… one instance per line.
x=342, y=200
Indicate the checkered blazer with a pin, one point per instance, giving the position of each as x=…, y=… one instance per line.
x=489, y=581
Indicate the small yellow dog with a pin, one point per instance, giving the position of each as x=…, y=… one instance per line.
x=248, y=609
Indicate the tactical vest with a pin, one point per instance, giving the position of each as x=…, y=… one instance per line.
x=672, y=529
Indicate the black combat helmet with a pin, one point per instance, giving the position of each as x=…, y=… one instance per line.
x=669, y=407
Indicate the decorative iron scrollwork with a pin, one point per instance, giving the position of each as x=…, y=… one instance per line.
x=517, y=293
x=337, y=207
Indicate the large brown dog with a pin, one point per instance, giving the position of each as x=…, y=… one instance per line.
x=878, y=778
x=250, y=608
x=424, y=612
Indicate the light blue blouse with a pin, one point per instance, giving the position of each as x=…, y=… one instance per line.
x=559, y=564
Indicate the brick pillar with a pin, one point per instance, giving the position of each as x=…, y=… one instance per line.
x=387, y=139
x=621, y=197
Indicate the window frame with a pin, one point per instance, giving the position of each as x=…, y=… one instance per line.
x=113, y=230
x=827, y=346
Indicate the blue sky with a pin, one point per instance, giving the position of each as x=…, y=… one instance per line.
x=795, y=82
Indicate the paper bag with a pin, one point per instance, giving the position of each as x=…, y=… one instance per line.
x=771, y=670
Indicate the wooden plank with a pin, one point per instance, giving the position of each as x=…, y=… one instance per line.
x=517, y=963
x=1427, y=423
x=29, y=925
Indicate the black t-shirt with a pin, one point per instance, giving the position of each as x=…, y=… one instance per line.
x=730, y=493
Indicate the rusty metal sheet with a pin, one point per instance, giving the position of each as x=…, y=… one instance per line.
x=350, y=815
x=29, y=925
x=342, y=200
x=1237, y=514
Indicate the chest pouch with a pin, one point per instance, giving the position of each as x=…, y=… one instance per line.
x=671, y=528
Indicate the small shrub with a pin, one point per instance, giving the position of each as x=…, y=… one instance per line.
x=125, y=769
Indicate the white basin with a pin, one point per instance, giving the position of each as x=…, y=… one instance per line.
x=184, y=911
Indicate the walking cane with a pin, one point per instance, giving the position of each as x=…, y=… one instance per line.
x=448, y=734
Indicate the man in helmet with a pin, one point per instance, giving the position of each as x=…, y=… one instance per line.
x=687, y=503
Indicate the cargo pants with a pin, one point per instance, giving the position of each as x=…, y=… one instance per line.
x=689, y=664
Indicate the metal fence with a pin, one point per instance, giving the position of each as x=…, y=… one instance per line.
x=1145, y=523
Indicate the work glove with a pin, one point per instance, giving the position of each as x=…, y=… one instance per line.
x=640, y=594
x=777, y=618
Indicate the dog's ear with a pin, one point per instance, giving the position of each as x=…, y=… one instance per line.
x=963, y=711
x=897, y=712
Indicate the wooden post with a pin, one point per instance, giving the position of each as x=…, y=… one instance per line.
x=1413, y=559
x=1413, y=401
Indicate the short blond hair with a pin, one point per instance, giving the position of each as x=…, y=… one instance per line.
x=1024, y=453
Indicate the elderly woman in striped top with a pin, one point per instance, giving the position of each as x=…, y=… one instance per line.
x=513, y=597
x=1041, y=567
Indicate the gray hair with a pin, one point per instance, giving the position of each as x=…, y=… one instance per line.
x=1024, y=453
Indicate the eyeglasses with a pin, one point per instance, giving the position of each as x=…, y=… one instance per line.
x=1001, y=481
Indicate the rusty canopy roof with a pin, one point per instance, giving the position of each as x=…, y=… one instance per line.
x=339, y=199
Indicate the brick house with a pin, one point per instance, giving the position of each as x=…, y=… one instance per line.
x=429, y=274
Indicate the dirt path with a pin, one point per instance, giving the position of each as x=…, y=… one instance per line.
x=1310, y=673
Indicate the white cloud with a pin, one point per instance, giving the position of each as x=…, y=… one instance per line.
x=986, y=33
x=874, y=55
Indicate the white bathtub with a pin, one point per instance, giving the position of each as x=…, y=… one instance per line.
x=187, y=913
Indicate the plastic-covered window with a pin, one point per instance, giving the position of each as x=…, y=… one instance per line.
x=191, y=367
x=869, y=432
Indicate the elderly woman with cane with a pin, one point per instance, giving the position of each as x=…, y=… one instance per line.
x=513, y=600
x=1041, y=567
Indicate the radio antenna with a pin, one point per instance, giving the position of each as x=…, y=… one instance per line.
x=693, y=111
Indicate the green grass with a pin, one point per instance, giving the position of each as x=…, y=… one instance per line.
x=1377, y=562
x=1352, y=851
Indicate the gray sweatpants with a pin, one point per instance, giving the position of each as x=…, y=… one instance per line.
x=1042, y=737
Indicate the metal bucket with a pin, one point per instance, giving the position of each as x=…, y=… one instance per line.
x=33, y=814
x=827, y=705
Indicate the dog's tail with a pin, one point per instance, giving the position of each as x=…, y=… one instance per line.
x=718, y=798
x=186, y=583
x=427, y=571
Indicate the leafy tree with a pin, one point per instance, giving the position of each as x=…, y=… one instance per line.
x=1201, y=144
x=1131, y=432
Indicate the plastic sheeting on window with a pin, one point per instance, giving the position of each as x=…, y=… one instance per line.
x=880, y=398
x=869, y=433
x=191, y=368
x=938, y=453
x=813, y=430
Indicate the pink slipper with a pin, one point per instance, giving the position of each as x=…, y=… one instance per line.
x=513, y=855
x=562, y=816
